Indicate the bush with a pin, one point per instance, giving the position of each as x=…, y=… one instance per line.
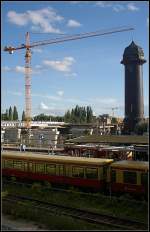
x=13, y=178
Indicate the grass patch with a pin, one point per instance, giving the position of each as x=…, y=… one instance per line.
x=49, y=221
x=96, y=202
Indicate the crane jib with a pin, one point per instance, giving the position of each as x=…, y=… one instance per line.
x=67, y=38
x=75, y=37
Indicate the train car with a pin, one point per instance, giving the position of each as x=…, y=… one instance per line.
x=74, y=171
x=128, y=176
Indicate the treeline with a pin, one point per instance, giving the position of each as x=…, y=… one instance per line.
x=79, y=115
x=10, y=114
x=75, y=115
x=43, y=117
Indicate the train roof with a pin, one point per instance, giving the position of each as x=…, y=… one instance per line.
x=133, y=164
x=56, y=158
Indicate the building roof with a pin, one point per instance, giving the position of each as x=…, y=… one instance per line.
x=111, y=139
x=133, y=52
x=56, y=159
x=142, y=165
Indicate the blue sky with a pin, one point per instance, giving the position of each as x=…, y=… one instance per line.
x=83, y=72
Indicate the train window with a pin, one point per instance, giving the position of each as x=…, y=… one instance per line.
x=113, y=176
x=31, y=167
x=18, y=164
x=92, y=173
x=8, y=163
x=51, y=169
x=144, y=179
x=61, y=170
x=78, y=172
x=130, y=177
x=25, y=166
x=39, y=167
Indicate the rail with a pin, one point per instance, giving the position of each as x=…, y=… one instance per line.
x=92, y=217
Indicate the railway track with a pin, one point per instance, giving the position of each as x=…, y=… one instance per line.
x=92, y=217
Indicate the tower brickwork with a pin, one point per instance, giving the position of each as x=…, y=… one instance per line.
x=133, y=59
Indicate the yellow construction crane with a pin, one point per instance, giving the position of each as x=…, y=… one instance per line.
x=28, y=47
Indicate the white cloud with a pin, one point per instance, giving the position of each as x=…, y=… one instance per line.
x=132, y=7
x=43, y=106
x=19, y=19
x=62, y=66
x=59, y=105
x=71, y=74
x=118, y=5
x=103, y=4
x=19, y=69
x=73, y=23
x=6, y=69
x=60, y=93
x=38, y=66
x=118, y=8
x=40, y=20
x=50, y=110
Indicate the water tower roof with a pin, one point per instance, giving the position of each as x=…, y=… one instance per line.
x=133, y=53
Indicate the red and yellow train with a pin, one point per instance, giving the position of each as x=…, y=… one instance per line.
x=93, y=173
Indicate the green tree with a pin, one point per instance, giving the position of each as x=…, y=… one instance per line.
x=15, y=113
x=67, y=116
x=79, y=115
x=89, y=114
x=10, y=114
x=82, y=114
x=114, y=120
x=3, y=116
x=7, y=115
x=23, y=116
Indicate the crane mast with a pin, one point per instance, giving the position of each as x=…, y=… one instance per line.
x=28, y=47
x=27, y=83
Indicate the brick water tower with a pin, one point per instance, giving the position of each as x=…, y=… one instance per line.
x=133, y=59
